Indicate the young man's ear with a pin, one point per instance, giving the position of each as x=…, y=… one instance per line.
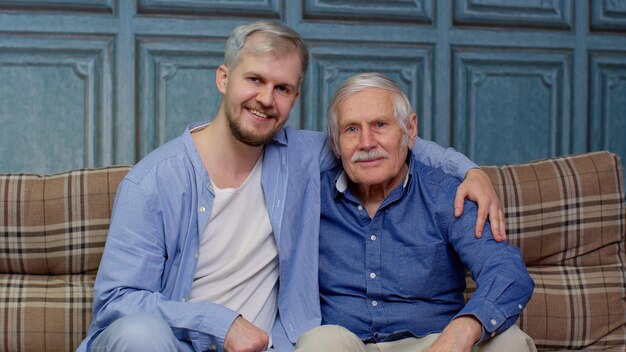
x=221, y=78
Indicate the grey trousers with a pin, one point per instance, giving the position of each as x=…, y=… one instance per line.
x=334, y=338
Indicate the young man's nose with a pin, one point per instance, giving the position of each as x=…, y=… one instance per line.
x=266, y=96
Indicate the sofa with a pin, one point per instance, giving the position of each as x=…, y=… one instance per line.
x=565, y=214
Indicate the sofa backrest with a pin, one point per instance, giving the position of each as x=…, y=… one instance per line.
x=52, y=234
x=567, y=217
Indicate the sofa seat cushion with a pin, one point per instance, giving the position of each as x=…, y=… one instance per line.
x=44, y=313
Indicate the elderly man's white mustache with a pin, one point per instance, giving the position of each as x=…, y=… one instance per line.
x=361, y=155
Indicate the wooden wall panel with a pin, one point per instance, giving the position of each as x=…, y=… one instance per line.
x=177, y=80
x=482, y=74
x=94, y=6
x=608, y=115
x=608, y=15
x=511, y=106
x=56, y=108
x=409, y=11
x=522, y=13
x=239, y=8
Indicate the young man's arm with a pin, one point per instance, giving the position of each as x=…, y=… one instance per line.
x=132, y=270
x=476, y=185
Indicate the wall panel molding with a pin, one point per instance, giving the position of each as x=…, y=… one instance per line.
x=95, y=6
x=66, y=85
x=176, y=80
x=408, y=11
x=608, y=15
x=608, y=109
x=557, y=14
x=239, y=8
x=330, y=65
x=504, y=98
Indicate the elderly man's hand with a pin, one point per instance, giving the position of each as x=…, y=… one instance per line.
x=244, y=336
x=459, y=336
x=477, y=187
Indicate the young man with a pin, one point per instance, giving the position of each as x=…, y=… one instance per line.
x=192, y=255
x=393, y=254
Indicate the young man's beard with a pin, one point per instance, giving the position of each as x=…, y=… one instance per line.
x=248, y=138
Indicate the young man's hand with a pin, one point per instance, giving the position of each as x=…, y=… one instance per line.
x=477, y=187
x=243, y=336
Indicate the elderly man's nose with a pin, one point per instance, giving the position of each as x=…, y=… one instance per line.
x=366, y=140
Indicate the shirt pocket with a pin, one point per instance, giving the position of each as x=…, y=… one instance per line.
x=422, y=271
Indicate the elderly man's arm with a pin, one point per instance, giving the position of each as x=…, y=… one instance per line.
x=460, y=335
x=504, y=286
x=476, y=185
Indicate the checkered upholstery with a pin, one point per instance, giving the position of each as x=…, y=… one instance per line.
x=567, y=217
x=52, y=233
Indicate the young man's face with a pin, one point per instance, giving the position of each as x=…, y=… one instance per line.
x=259, y=94
x=368, y=127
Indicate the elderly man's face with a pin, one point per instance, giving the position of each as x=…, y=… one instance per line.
x=370, y=138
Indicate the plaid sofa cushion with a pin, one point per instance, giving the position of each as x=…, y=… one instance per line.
x=57, y=224
x=567, y=217
x=52, y=234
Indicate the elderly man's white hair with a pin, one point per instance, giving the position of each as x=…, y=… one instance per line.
x=361, y=82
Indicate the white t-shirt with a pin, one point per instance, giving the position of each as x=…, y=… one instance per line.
x=238, y=258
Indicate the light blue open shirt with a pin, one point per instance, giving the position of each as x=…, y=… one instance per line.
x=163, y=205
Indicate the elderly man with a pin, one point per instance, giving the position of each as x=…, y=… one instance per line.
x=392, y=253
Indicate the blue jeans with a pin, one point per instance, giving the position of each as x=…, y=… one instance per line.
x=139, y=332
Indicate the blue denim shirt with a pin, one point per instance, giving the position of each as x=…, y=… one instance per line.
x=401, y=273
x=162, y=207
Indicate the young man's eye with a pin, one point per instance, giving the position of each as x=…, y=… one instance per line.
x=283, y=89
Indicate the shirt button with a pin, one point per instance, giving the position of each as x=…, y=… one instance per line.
x=211, y=187
x=519, y=306
x=196, y=255
x=360, y=207
x=373, y=275
x=183, y=300
x=374, y=303
x=213, y=347
x=373, y=237
x=493, y=322
x=202, y=209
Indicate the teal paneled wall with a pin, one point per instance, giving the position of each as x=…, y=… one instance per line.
x=101, y=82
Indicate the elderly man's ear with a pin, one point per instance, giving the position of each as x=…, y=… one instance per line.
x=412, y=129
